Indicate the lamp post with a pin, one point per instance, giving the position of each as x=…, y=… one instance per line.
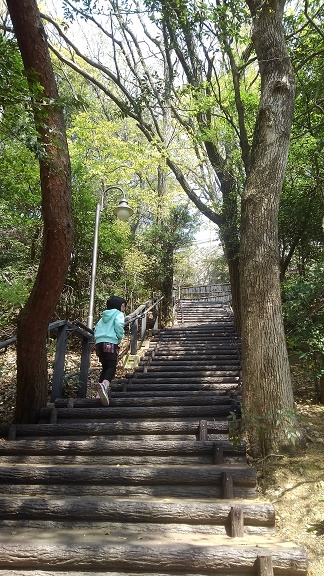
x=123, y=212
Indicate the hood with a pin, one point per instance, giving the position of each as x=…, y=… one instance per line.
x=109, y=314
x=115, y=302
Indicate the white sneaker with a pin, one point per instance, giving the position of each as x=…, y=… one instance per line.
x=103, y=393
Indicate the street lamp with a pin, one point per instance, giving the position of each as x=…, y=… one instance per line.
x=123, y=212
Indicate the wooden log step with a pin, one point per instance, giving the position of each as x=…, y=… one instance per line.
x=192, y=321
x=175, y=366
x=192, y=379
x=100, y=446
x=211, y=327
x=208, y=340
x=98, y=573
x=124, y=460
x=173, y=378
x=221, y=340
x=199, y=353
x=229, y=347
x=159, y=554
x=138, y=385
x=178, y=360
x=242, y=475
x=185, y=345
x=223, y=397
x=142, y=527
x=192, y=371
x=180, y=353
x=218, y=326
x=202, y=513
x=167, y=401
x=206, y=491
x=189, y=331
x=172, y=401
x=110, y=412
x=97, y=452
x=122, y=428
x=202, y=354
x=148, y=399
x=102, y=413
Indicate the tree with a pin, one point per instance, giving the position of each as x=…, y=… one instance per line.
x=269, y=413
x=56, y=211
x=19, y=184
x=303, y=306
x=173, y=231
x=301, y=204
x=142, y=94
x=210, y=47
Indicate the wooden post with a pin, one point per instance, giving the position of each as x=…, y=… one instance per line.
x=53, y=419
x=237, y=522
x=218, y=453
x=58, y=369
x=12, y=432
x=143, y=328
x=156, y=317
x=84, y=367
x=264, y=566
x=227, y=483
x=203, y=430
x=134, y=337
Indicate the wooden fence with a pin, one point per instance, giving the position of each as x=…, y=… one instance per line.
x=215, y=292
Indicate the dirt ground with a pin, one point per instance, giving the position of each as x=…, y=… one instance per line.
x=293, y=483
x=295, y=486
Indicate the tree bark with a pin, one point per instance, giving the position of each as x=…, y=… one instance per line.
x=32, y=379
x=267, y=391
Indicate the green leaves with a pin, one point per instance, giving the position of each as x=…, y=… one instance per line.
x=303, y=309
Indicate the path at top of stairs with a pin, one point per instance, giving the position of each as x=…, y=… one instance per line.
x=152, y=483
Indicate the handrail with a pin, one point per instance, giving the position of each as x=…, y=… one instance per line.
x=65, y=329
x=139, y=312
x=8, y=342
x=81, y=325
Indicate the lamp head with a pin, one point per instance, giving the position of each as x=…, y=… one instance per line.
x=123, y=211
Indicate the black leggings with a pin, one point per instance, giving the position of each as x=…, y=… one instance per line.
x=108, y=361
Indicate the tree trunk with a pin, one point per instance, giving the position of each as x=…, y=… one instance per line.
x=267, y=392
x=233, y=260
x=231, y=242
x=32, y=380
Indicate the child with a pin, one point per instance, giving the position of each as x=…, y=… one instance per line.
x=108, y=332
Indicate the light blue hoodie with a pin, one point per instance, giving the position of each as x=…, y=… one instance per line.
x=110, y=327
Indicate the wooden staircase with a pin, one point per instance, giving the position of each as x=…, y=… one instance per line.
x=150, y=485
